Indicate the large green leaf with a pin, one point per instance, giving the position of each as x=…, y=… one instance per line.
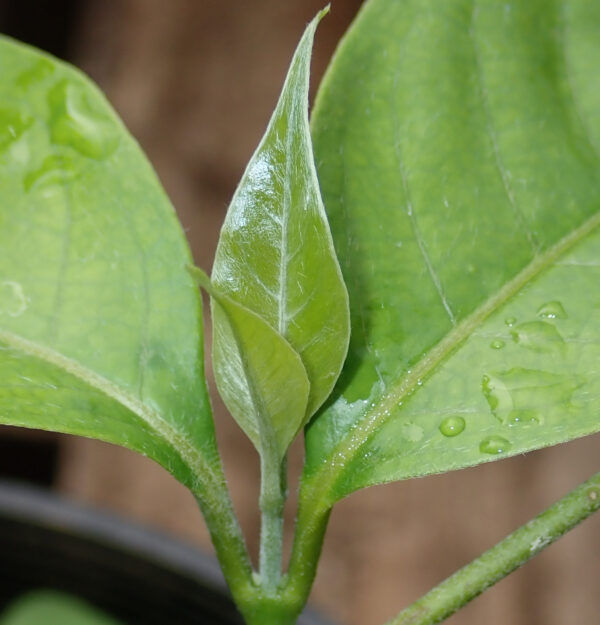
x=100, y=329
x=275, y=255
x=458, y=146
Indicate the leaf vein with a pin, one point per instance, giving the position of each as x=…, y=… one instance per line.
x=283, y=258
x=568, y=80
x=54, y=318
x=433, y=274
x=396, y=393
x=176, y=440
x=489, y=127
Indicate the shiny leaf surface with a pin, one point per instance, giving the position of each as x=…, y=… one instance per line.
x=260, y=377
x=462, y=181
x=275, y=255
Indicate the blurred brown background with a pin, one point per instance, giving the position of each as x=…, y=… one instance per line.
x=196, y=82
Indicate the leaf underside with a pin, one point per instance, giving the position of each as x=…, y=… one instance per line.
x=458, y=149
x=99, y=321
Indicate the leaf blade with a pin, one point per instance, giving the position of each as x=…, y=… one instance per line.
x=418, y=96
x=275, y=255
x=259, y=376
x=92, y=276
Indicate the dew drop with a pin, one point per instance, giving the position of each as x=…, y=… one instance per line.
x=412, y=432
x=54, y=172
x=552, y=310
x=74, y=123
x=522, y=397
x=497, y=344
x=452, y=426
x=12, y=299
x=538, y=336
x=39, y=72
x=13, y=123
x=494, y=445
x=523, y=417
x=510, y=321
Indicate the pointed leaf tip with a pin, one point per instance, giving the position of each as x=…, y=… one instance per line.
x=275, y=256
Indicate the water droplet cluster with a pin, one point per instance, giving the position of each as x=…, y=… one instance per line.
x=518, y=397
x=78, y=129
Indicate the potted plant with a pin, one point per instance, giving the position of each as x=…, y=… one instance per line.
x=65, y=563
x=452, y=331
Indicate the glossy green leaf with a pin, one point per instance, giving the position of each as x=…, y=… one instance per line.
x=100, y=329
x=275, y=255
x=458, y=147
x=261, y=376
x=45, y=607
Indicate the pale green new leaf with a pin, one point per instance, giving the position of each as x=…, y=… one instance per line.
x=458, y=148
x=276, y=258
x=259, y=376
x=100, y=329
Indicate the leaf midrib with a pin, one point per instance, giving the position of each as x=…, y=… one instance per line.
x=176, y=440
x=282, y=316
x=394, y=396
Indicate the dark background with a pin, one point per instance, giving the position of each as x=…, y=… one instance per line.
x=196, y=82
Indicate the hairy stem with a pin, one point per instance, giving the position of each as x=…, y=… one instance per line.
x=272, y=499
x=508, y=555
x=227, y=538
x=311, y=523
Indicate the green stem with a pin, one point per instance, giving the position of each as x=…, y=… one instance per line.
x=503, y=558
x=273, y=493
x=226, y=535
x=311, y=523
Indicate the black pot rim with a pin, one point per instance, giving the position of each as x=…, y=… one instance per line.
x=36, y=507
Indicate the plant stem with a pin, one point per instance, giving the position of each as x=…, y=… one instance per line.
x=226, y=535
x=503, y=558
x=311, y=523
x=273, y=494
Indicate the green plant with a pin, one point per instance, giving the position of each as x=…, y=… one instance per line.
x=468, y=255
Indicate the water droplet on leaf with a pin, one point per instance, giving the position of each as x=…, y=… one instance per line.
x=552, y=310
x=538, y=336
x=40, y=71
x=494, y=445
x=510, y=321
x=74, y=123
x=521, y=397
x=13, y=124
x=12, y=299
x=497, y=344
x=54, y=171
x=452, y=426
